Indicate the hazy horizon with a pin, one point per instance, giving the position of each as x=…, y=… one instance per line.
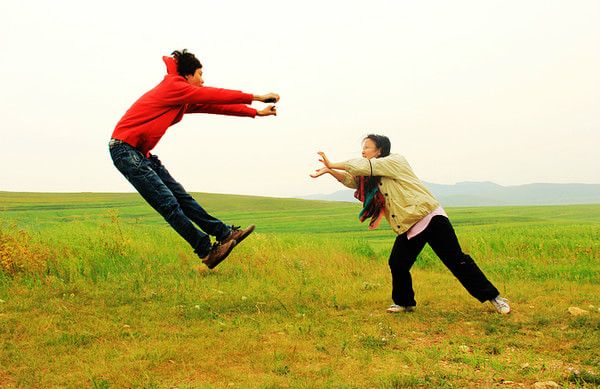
x=467, y=91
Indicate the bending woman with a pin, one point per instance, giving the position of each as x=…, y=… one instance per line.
x=387, y=186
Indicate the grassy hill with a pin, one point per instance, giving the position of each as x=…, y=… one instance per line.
x=96, y=290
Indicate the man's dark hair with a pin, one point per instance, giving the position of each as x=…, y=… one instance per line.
x=382, y=142
x=187, y=63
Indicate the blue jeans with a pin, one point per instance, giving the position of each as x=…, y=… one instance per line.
x=168, y=197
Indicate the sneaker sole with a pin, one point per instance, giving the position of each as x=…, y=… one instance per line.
x=409, y=310
x=213, y=265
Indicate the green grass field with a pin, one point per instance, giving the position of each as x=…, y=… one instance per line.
x=97, y=291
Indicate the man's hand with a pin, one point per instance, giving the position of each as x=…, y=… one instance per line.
x=270, y=110
x=268, y=98
x=320, y=172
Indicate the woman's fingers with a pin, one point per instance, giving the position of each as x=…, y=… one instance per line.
x=318, y=172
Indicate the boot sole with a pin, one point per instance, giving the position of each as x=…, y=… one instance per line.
x=214, y=264
x=251, y=228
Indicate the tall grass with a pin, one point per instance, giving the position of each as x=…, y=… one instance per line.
x=121, y=301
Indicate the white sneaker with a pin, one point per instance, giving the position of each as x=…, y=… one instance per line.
x=395, y=308
x=501, y=305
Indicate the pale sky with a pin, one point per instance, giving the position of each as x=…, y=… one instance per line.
x=502, y=91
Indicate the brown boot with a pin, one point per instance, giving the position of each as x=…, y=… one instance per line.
x=218, y=253
x=238, y=234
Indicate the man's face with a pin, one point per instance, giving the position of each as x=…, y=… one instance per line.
x=196, y=78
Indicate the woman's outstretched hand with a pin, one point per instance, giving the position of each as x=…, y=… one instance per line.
x=324, y=160
x=332, y=168
x=320, y=172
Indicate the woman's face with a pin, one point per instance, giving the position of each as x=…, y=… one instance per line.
x=369, y=149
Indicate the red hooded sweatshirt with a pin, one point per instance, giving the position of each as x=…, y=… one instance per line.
x=147, y=120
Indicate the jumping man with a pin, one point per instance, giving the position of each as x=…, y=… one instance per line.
x=139, y=130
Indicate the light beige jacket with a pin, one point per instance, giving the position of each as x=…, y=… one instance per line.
x=407, y=200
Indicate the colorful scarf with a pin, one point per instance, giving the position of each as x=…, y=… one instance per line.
x=373, y=201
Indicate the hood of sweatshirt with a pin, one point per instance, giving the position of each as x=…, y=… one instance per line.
x=171, y=65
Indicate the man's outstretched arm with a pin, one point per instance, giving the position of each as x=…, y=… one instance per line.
x=231, y=110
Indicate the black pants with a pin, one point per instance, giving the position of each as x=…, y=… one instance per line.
x=442, y=239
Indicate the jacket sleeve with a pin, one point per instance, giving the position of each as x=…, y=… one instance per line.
x=349, y=181
x=178, y=91
x=222, y=109
x=390, y=166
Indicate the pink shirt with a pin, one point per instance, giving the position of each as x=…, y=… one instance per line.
x=422, y=224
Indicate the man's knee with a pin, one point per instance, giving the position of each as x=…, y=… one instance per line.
x=167, y=207
x=172, y=208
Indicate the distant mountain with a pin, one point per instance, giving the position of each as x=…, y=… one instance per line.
x=340, y=195
x=489, y=193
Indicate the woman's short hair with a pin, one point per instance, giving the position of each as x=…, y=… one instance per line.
x=187, y=63
x=382, y=142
